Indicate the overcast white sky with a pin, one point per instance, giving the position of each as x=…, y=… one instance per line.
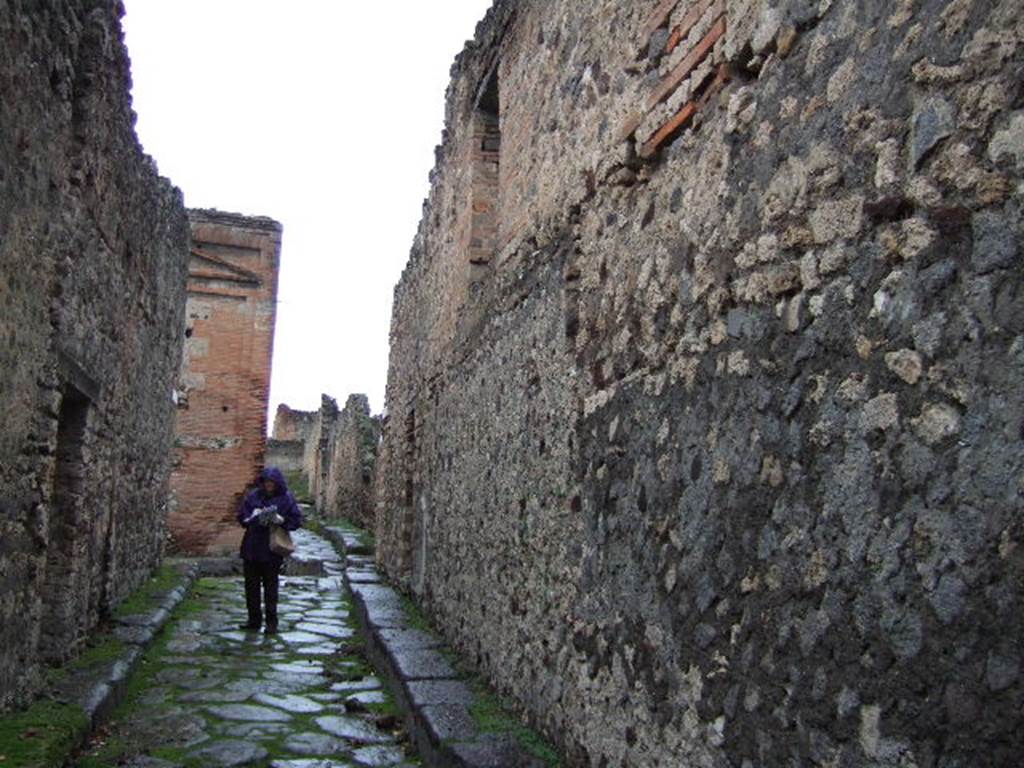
x=324, y=115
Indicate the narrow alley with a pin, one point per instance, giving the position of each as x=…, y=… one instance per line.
x=662, y=409
x=210, y=694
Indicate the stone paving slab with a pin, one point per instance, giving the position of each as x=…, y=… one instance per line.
x=218, y=696
x=362, y=577
x=373, y=756
x=363, y=698
x=232, y=753
x=353, y=729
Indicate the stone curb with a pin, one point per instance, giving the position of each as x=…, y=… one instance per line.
x=435, y=700
x=99, y=692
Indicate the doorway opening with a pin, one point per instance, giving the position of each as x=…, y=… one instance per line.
x=62, y=612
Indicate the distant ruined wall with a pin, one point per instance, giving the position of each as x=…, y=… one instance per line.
x=704, y=439
x=225, y=375
x=349, y=459
x=286, y=455
x=317, y=440
x=290, y=424
x=93, y=254
x=286, y=450
x=340, y=454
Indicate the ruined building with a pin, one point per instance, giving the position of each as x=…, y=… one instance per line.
x=225, y=375
x=346, y=464
x=290, y=424
x=93, y=260
x=314, y=458
x=286, y=449
x=338, y=455
x=704, y=435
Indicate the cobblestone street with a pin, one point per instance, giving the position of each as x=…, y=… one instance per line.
x=210, y=694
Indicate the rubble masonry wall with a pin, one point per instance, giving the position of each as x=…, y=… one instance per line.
x=93, y=253
x=703, y=431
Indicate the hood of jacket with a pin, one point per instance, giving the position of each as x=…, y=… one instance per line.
x=277, y=477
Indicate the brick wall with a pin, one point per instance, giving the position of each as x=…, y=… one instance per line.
x=225, y=375
x=93, y=251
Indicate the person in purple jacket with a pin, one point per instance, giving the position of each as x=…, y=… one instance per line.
x=270, y=503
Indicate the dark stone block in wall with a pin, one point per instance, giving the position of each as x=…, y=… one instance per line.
x=996, y=242
x=933, y=122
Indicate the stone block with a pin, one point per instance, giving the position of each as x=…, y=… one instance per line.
x=424, y=693
x=413, y=663
x=407, y=638
x=448, y=722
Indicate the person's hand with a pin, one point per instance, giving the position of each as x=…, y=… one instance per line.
x=277, y=519
x=253, y=517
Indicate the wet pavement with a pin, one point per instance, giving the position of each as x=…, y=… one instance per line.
x=209, y=694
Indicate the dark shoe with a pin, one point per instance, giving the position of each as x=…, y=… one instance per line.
x=251, y=626
x=270, y=630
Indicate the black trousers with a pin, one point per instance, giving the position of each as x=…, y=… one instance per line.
x=265, y=576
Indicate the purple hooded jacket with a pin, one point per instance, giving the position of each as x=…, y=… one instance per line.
x=256, y=541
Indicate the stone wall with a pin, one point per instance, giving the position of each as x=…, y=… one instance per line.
x=316, y=446
x=290, y=424
x=286, y=455
x=348, y=463
x=93, y=250
x=225, y=375
x=340, y=453
x=715, y=457
x=286, y=450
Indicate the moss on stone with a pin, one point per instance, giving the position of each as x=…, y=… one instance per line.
x=416, y=618
x=103, y=754
x=298, y=484
x=366, y=538
x=149, y=596
x=102, y=650
x=41, y=736
x=490, y=716
x=487, y=710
